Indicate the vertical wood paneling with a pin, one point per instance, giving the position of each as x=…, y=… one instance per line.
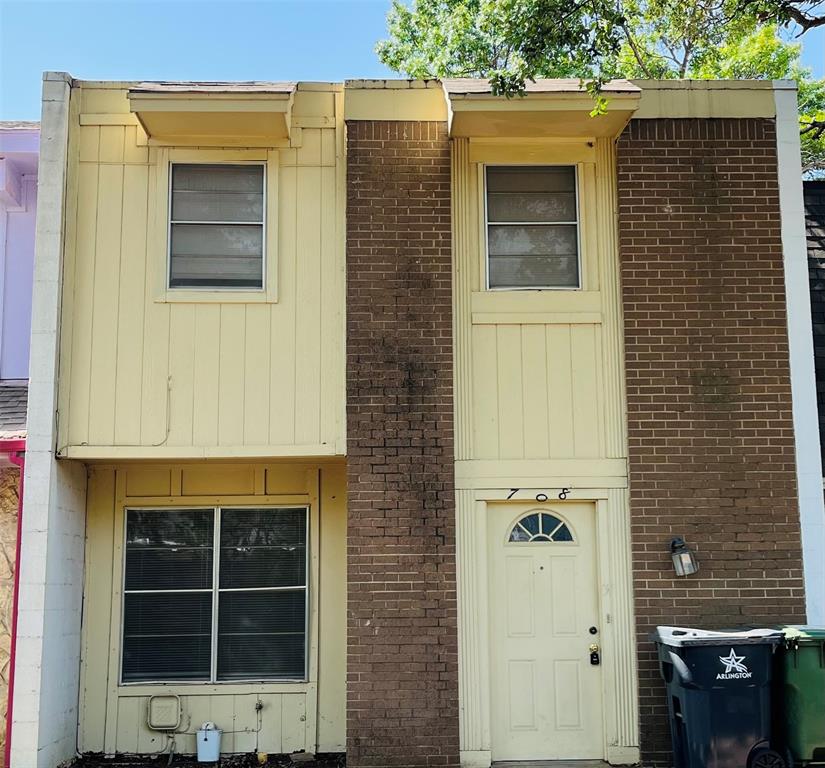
x=613, y=343
x=485, y=392
x=510, y=394
x=181, y=373
x=97, y=605
x=206, y=375
x=142, y=370
x=282, y=367
x=105, y=307
x=155, y=395
x=81, y=357
x=331, y=281
x=231, y=376
x=536, y=392
x=307, y=369
x=256, y=376
x=586, y=438
x=465, y=257
x=471, y=547
x=560, y=390
x=132, y=289
x=293, y=723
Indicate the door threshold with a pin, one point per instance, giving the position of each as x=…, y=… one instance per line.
x=551, y=764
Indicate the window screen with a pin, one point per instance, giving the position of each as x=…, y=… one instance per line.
x=532, y=227
x=216, y=236
x=196, y=613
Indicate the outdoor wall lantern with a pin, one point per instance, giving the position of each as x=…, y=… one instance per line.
x=684, y=561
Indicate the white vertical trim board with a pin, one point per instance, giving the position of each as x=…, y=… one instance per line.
x=47, y=667
x=801, y=350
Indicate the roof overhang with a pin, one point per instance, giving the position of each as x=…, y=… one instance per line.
x=19, y=147
x=214, y=114
x=548, y=109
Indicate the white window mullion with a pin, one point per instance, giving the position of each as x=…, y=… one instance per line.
x=216, y=575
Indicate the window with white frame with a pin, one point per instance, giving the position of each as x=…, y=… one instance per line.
x=216, y=226
x=216, y=594
x=532, y=227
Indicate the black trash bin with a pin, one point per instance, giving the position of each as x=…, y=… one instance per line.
x=719, y=696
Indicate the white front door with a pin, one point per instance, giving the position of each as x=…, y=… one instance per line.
x=544, y=613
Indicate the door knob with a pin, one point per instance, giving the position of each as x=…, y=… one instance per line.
x=595, y=659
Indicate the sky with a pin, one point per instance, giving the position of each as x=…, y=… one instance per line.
x=194, y=40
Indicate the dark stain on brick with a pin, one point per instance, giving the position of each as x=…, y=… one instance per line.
x=402, y=646
x=710, y=431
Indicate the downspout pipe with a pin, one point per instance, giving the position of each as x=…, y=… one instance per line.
x=16, y=452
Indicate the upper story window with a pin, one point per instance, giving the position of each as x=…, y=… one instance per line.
x=216, y=226
x=214, y=595
x=532, y=227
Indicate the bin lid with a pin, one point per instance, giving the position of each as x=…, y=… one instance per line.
x=686, y=636
x=803, y=634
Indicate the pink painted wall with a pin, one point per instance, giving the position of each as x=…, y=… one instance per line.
x=19, y=145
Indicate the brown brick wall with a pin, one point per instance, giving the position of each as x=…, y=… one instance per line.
x=708, y=393
x=402, y=649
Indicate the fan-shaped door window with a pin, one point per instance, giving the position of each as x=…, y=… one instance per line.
x=540, y=526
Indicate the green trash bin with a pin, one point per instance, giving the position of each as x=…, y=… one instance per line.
x=799, y=700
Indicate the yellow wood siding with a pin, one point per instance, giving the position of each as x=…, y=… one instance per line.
x=531, y=365
x=295, y=716
x=540, y=420
x=147, y=372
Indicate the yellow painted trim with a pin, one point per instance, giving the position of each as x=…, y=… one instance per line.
x=210, y=102
x=424, y=104
x=185, y=452
x=532, y=151
x=218, y=500
x=227, y=141
x=544, y=115
x=705, y=99
x=108, y=119
x=494, y=473
x=548, y=301
x=588, y=235
x=210, y=117
x=537, y=318
x=314, y=121
x=208, y=689
x=165, y=295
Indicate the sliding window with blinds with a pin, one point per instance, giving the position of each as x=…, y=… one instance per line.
x=215, y=595
x=216, y=226
x=532, y=227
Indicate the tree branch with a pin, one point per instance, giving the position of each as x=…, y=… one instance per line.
x=636, y=53
x=802, y=19
x=816, y=128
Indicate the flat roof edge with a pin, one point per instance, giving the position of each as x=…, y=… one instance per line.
x=391, y=84
x=714, y=85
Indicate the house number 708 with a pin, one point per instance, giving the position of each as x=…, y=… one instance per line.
x=541, y=497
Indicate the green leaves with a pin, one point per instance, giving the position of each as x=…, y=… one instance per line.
x=514, y=41
x=507, y=41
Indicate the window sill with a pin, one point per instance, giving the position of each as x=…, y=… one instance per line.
x=539, y=307
x=216, y=297
x=209, y=689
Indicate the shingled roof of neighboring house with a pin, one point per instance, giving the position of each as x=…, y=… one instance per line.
x=815, y=230
x=13, y=401
x=19, y=125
